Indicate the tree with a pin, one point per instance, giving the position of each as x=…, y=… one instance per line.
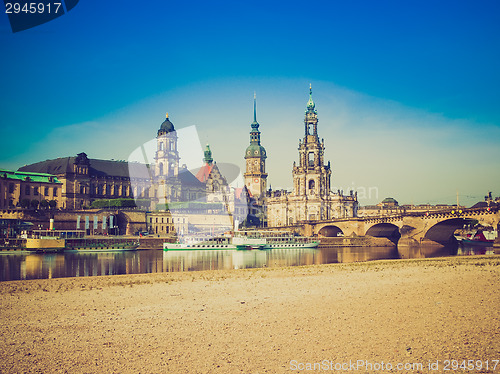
x=25, y=203
x=53, y=204
x=44, y=204
x=34, y=204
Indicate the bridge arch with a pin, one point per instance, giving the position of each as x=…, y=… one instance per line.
x=442, y=232
x=385, y=230
x=330, y=231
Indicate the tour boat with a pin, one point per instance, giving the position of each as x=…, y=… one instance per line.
x=200, y=243
x=245, y=240
x=74, y=241
x=95, y=246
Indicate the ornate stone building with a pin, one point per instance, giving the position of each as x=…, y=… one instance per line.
x=311, y=198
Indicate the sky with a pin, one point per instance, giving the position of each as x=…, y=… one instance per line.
x=407, y=93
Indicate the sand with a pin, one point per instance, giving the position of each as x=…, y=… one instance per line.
x=333, y=318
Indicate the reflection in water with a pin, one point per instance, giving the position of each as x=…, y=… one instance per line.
x=25, y=265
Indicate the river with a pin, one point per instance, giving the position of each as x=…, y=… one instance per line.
x=26, y=265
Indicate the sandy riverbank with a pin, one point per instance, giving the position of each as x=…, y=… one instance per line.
x=257, y=320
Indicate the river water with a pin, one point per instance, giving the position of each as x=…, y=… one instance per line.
x=26, y=265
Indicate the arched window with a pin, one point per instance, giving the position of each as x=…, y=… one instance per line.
x=161, y=146
x=161, y=168
x=311, y=186
x=311, y=159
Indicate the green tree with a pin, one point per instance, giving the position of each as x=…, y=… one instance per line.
x=34, y=204
x=25, y=203
x=44, y=204
x=52, y=204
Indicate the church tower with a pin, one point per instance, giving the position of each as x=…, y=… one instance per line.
x=311, y=178
x=166, y=156
x=255, y=156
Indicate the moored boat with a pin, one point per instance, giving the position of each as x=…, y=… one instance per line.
x=480, y=238
x=75, y=241
x=245, y=240
x=45, y=244
x=200, y=243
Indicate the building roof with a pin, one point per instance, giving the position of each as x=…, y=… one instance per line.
x=188, y=179
x=28, y=176
x=166, y=126
x=204, y=172
x=389, y=200
x=97, y=168
x=485, y=204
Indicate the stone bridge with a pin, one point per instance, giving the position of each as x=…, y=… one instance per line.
x=406, y=229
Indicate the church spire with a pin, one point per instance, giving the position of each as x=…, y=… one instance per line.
x=311, y=119
x=254, y=107
x=310, y=103
x=255, y=124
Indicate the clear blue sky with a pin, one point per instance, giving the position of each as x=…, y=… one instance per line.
x=407, y=92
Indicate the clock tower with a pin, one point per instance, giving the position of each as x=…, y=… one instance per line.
x=255, y=156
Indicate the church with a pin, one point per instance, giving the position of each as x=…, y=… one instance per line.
x=311, y=198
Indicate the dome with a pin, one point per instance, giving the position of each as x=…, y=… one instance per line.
x=255, y=150
x=389, y=200
x=166, y=126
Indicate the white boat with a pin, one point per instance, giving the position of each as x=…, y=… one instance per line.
x=286, y=239
x=245, y=240
x=200, y=243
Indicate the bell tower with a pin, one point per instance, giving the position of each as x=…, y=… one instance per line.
x=255, y=156
x=166, y=156
x=311, y=178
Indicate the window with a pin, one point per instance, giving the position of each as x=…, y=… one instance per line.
x=46, y=191
x=35, y=191
x=54, y=192
x=27, y=190
x=11, y=188
x=311, y=159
